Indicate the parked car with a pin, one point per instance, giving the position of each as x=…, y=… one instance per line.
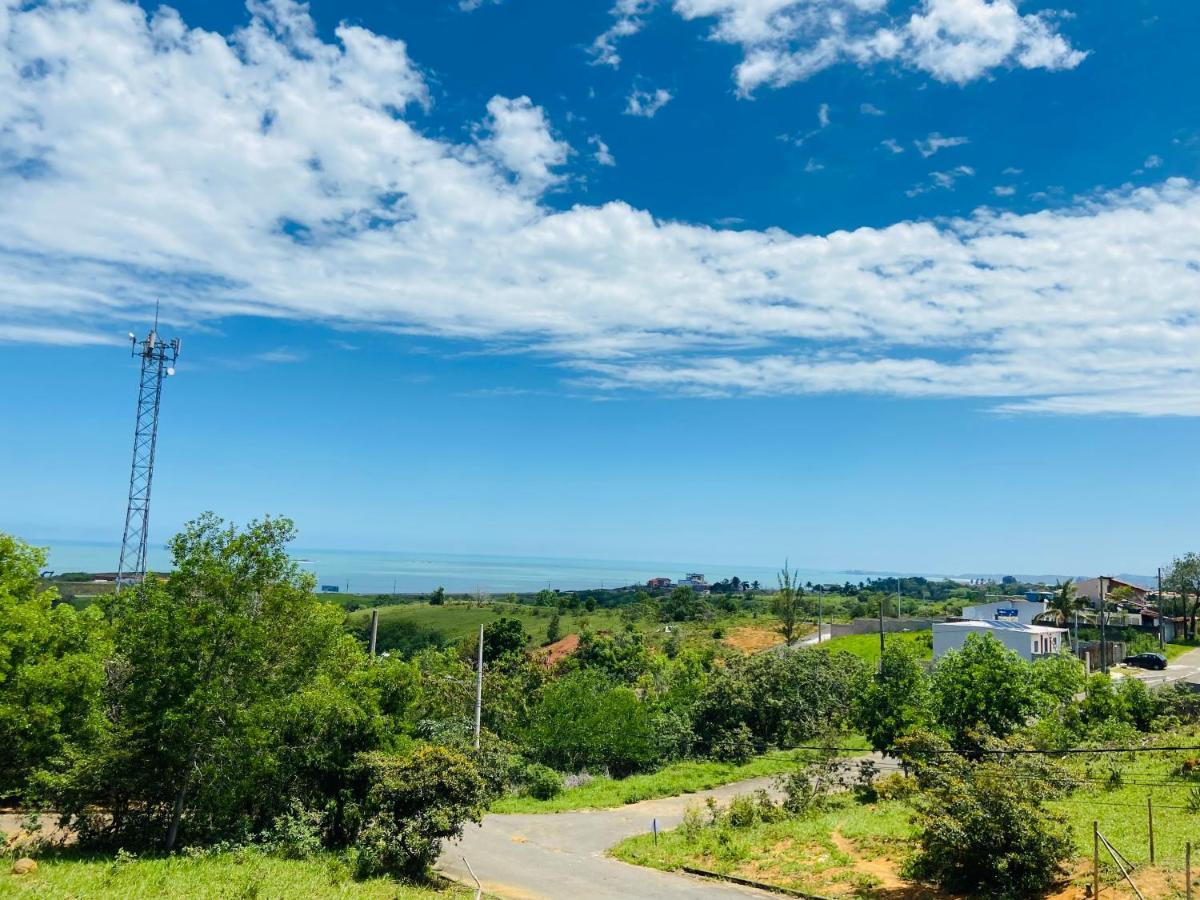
x=1146, y=661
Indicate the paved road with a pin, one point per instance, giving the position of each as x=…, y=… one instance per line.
x=1185, y=667
x=546, y=856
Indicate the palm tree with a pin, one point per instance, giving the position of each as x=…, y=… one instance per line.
x=1062, y=605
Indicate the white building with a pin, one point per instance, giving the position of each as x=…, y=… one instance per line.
x=1029, y=641
x=1009, y=609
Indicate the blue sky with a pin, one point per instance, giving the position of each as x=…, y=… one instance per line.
x=894, y=285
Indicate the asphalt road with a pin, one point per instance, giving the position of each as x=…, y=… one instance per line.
x=547, y=856
x=1185, y=667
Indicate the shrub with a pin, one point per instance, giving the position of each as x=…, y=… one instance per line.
x=736, y=745
x=895, y=787
x=811, y=788
x=542, y=782
x=411, y=804
x=981, y=828
x=296, y=834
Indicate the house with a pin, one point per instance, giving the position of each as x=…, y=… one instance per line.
x=696, y=581
x=658, y=583
x=1006, y=609
x=1089, y=589
x=1029, y=641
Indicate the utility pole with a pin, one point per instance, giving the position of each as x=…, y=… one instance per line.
x=158, y=361
x=1103, y=632
x=374, y=630
x=899, y=608
x=881, y=597
x=820, y=610
x=479, y=690
x=1162, y=614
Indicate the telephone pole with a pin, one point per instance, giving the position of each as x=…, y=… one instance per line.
x=479, y=690
x=157, y=361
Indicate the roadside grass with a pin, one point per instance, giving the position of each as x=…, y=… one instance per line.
x=866, y=646
x=244, y=873
x=1177, y=648
x=685, y=777
x=831, y=848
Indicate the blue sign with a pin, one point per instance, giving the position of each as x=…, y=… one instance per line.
x=1006, y=613
x=329, y=589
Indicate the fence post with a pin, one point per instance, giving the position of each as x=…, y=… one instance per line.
x=1095, y=858
x=1187, y=870
x=1150, y=817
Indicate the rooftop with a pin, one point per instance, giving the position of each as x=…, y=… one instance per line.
x=1000, y=626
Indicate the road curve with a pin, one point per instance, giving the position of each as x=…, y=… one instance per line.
x=560, y=856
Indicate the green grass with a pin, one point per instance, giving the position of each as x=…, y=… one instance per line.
x=235, y=874
x=684, y=777
x=1177, y=648
x=804, y=854
x=866, y=646
x=457, y=620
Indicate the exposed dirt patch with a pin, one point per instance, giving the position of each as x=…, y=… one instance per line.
x=752, y=638
x=560, y=650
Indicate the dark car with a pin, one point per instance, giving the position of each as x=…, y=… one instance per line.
x=1146, y=661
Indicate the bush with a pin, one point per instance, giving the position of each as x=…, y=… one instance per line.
x=895, y=787
x=811, y=788
x=296, y=834
x=734, y=746
x=982, y=828
x=411, y=804
x=542, y=782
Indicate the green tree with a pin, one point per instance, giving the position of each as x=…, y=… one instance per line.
x=896, y=700
x=414, y=802
x=982, y=828
x=584, y=720
x=51, y=671
x=1183, y=577
x=438, y=597
x=684, y=605
x=982, y=687
x=502, y=637
x=1063, y=605
x=786, y=604
x=201, y=668
x=554, y=629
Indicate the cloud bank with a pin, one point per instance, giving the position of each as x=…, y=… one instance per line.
x=785, y=41
x=270, y=173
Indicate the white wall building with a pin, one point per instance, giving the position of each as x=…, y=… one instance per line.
x=1007, y=610
x=1029, y=641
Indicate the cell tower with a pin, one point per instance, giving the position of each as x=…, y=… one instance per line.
x=158, y=361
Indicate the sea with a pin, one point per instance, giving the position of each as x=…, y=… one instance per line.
x=381, y=572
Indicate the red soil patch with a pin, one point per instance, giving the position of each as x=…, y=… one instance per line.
x=560, y=650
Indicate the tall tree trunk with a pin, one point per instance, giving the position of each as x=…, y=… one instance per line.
x=180, y=796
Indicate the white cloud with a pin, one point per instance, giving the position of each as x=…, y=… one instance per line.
x=784, y=41
x=813, y=166
x=603, y=155
x=471, y=5
x=1004, y=190
x=1012, y=170
x=1153, y=161
x=936, y=142
x=518, y=136
x=646, y=103
x=944, y=180
x=892, y=144
x=823, y=115
x=629, y=15
x=272, y=174
x=870, y=109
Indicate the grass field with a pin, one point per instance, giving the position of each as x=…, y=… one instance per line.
x=866, y=646
x=684, y=777
x=861, y=848
x=458, y=620
x=235, y=874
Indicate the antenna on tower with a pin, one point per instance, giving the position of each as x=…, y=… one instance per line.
x=158, y=361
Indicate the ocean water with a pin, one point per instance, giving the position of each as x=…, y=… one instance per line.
x=375, y=572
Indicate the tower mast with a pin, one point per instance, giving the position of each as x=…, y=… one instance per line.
x=157, y=361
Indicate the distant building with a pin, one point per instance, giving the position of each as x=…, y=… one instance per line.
x=1089, y=589
x=658, y=583
x=1006, y=609
x=696, y=581
x=1029, y=641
